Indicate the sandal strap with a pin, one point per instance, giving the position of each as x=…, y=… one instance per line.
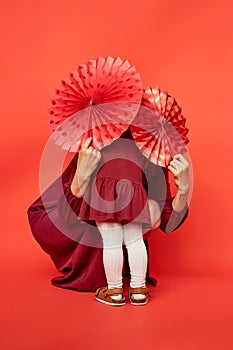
x=141, y=290
x=114, y=291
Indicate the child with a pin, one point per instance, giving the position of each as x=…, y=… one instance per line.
x=111, y=182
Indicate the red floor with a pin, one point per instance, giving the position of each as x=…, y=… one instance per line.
x=185, y=311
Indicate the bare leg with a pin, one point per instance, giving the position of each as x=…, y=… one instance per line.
x=155, y=213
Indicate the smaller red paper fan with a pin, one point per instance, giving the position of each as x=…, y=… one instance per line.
x=159, y=129
x=99, y=99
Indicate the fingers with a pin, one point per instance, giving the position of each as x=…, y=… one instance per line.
x=93, y=152
x=86, y=143
x=181, y=158
x=88, y=152
x=178, y=165
x=173, y=170
x=175, y=167
x=179, y=162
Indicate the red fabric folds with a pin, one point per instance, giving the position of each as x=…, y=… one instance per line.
x=75, y=245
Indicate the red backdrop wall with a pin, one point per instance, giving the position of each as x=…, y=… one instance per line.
x=182, y=47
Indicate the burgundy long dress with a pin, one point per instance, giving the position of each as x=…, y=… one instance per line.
x=65, y=225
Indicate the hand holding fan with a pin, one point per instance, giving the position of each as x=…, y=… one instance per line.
x=159, y=127
x=99, y=99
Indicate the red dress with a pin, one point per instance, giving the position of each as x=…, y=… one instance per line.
x=116, y=190
x=74, y=245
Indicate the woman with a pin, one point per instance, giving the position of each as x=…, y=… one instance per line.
x=67, y=228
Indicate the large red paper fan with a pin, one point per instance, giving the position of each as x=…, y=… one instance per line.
x=99, y=99
x=159, y=128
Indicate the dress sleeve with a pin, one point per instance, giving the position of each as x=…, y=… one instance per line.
x=68, y=206
x=158, y=187
x=57, y=202
x=74, y=247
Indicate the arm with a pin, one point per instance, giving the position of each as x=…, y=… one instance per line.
x=50, y=216
x=87, y=163
x=180, y=168
x=74, y=246
x=173, y=210
x=60, y=203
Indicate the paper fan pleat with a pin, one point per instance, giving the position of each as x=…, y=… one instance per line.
x=103, y=91
x=162, y=127
x=101, y=116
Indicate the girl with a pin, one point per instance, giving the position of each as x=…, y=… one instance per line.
x=112, y=185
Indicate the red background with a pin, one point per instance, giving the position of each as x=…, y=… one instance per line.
x=184, y=48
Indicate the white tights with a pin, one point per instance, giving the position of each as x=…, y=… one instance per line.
x=114, y=235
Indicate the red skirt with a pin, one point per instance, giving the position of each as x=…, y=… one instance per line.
x=116, y=192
